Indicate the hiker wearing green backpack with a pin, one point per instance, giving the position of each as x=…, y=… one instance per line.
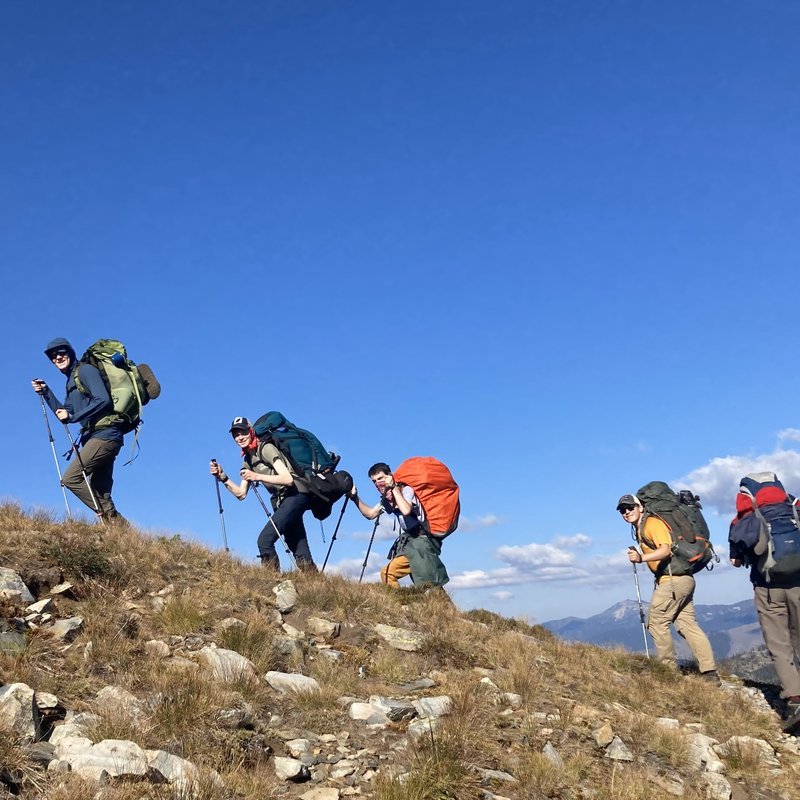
x=672, y=602
x=265, y=464
x=90, y=475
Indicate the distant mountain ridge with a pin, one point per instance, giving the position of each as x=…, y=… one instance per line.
x=732, y=629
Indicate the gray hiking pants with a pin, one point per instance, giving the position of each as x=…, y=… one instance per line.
x=98, y=457
x=672, y=604
x=779, y=616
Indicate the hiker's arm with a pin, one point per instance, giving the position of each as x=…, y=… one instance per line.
x=239, y=491
x=370, y=512
x=661, y=552
x=402, y=502
x=282, y=477
x=48, y=395
x=96, y=394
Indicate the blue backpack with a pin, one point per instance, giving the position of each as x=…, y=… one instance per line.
x=306, y=454
x=778, y=545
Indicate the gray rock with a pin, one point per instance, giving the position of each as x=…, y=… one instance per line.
x=11, y=581
x=603, y=735
x=433, y=706
x=12, y=642
x=321, y=793
x=618, y=750
x=62, y=588
x=40, y=752
x=323, y=627
x=40, y=606
x=288, y=646
x=400, y=638
x=66, y=630
x=292, y=632
x=298, y=747
x=74, y=726
x=111, y=700
x=668, y=723
x=418, y=685
x=290, y=769
x=227, y=665
x=364, y=712
x=110, y=758
x=175, y=770
x=331, y=654
x=157, y=649
x=489, y=775
x=422, y=727
x=234, y=718
x=396, y=710
x=701, y=755
x=291, y=682
x=231, y=622
x=716, y=786
x=45, y=701
x=551, y=754
x=511, y=699
x=736, y=744
x=18, y=712
x=285, y=597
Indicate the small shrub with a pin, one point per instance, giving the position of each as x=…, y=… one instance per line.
x=181, y=616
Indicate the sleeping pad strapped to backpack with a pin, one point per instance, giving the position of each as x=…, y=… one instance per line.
x=437, y=491
x=313, y=466
x=129, y=386
x=691, y=540
x=777, y=544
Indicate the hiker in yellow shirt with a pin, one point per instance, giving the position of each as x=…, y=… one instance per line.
x=672, y=600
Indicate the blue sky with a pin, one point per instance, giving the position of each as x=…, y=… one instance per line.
x=552, y=244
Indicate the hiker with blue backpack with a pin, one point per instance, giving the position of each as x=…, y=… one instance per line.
x=765, y=535
x=90, y=475
x=265, y=464
x=656, y=516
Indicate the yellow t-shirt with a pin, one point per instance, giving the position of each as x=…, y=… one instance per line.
x=655, y=534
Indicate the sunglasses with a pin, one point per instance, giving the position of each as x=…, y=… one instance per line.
x=58, y=353
x=625, y=509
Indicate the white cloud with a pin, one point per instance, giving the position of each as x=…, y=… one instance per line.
x=485, y=521
x=351, y=567
x=535, y=555
x=789, y=435
x=578, y=540
x=382, y=534
x=502, y=595
x=718, y=481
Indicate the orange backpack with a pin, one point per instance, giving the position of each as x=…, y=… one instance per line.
x=436, y=489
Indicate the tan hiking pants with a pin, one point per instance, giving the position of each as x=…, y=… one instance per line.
x=672, y=604
x=396, y=569
x=779, y=617
x=97, y=456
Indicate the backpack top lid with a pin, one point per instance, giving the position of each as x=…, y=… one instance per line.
x=681, y=511
x=763, y=488
x=270, y=422
x=436, y=489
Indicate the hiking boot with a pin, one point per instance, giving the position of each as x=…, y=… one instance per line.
x=792, y=723
x=712, y=677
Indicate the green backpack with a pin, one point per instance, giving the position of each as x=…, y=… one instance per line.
x=692, y=550
x=130, y=386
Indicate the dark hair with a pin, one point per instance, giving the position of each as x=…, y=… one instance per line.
x=379, y=467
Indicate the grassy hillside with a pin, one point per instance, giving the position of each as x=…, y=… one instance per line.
x=135, y=591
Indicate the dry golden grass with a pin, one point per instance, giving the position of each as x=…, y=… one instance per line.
x=115, y=570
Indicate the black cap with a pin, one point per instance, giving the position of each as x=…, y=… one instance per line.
x=240, y=424
x=628, y=500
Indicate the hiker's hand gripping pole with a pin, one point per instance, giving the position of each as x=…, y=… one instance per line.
x=335, y=531
x=221, y=511
x=53, y=448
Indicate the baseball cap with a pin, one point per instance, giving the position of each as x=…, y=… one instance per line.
x=628, y=500
x=240, y=424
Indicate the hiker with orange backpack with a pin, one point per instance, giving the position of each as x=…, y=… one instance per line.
x=417, y=549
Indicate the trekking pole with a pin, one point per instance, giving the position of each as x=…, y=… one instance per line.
x=335, y=531
x=269, y=517
x=369, y=546
x=75, y=450
x=221, y=512
x=641, y=610
x=55, y=457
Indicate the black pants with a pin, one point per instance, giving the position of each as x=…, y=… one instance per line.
x=288, y=519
